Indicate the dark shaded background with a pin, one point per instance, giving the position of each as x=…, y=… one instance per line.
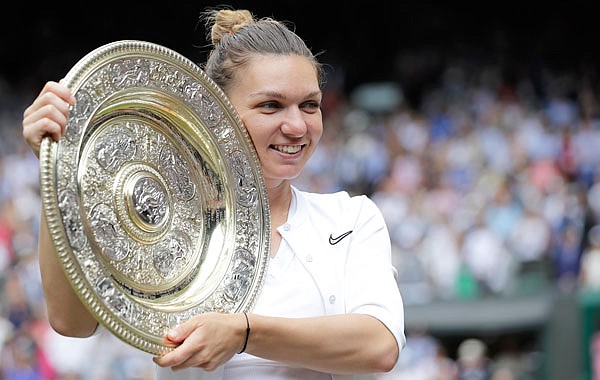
x=363, y=41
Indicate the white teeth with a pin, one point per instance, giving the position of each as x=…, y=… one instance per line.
x=290, y=149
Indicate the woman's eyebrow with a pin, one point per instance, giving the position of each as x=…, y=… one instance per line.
x=268, y=93
x=279, y=95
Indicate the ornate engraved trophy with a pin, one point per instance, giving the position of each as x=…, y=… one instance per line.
x=154, y=197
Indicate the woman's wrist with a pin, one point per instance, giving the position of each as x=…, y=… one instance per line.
x=246, y=334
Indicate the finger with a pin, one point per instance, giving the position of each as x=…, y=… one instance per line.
x=47, y=117
x=35, y=133
x=180, y=332
x=47, y=99
x=170, y=358
x=190, y=358
x=61, y=90
x=52, y=93
x=175, y=358
x=58, y=112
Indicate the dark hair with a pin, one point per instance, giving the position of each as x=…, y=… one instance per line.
x=236, y=35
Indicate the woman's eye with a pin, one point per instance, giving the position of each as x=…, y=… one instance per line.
x=269, y=105
x=311, y=106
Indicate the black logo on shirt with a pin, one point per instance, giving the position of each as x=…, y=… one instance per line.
x=335, y=240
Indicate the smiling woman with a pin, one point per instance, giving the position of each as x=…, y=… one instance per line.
x=281, y=110
x=330, y=307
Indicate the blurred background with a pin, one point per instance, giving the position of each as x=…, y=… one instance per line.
x=474, y=128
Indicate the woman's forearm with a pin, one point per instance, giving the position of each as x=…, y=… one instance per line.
x=350, y=343
x=66, y=314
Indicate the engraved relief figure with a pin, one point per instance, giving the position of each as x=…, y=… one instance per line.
x=114, y=149
x=105, y=288
x=172, y=254
x=80, y=111
x=149, y=201
x=66, y=202
x=121, y=305
x=114, y=245
x=239, y=279
x=130, y=72
x=191, y=89
x=84, y=104
x=176, y=172
x=164, y=76
x=247, y=194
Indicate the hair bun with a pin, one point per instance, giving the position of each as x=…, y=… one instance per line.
x=228, y=21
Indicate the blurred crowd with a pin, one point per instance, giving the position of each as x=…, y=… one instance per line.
x=490, y=188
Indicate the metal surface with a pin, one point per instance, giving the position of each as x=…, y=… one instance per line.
x=154, y=196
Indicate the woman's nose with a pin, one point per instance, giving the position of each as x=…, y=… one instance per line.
x=294, y=124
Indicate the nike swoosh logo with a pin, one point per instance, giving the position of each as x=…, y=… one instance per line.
x=335, y=240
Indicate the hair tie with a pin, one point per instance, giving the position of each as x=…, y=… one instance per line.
x=247, y=333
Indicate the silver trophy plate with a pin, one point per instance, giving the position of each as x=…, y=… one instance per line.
x=154, y=197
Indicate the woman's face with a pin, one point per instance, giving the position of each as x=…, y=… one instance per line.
x=278, y=99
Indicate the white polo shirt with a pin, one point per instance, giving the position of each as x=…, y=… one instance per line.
x=335, y=258
x=288, y=291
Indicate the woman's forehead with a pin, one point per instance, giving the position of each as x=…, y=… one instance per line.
x=283, y=68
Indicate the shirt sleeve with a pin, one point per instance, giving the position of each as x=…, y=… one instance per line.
x=370, y=277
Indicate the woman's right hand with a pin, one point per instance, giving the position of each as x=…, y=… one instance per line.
x=47, y=115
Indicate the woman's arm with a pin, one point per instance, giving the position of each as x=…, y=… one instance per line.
x=47, y=116
x=349, y=343
x=66, y=314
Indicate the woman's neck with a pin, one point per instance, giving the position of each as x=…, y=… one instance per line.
x=280, y=197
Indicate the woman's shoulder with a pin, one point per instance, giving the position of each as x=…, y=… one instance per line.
x=342, y=200
x=311, y=196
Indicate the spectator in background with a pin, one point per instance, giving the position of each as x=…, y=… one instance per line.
x=487, y=258
x=473, y=363
x=425, y=358
x=593, y=196
x=7, y=254
x=529, y=239
x=595, y=356
x=19, y=359
x=566, y=257
x=589, y=276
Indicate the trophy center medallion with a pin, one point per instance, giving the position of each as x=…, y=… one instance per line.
x=143, y=203
x=149, y=201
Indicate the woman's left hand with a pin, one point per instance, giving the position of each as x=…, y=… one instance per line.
x=206, y=341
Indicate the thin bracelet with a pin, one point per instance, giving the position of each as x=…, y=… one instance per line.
x=247, y=333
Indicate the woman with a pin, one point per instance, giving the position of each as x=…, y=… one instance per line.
x=330, y=305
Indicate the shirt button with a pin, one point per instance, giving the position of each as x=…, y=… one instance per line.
x=332, y=299
x=309, y=258
x=286, y=227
